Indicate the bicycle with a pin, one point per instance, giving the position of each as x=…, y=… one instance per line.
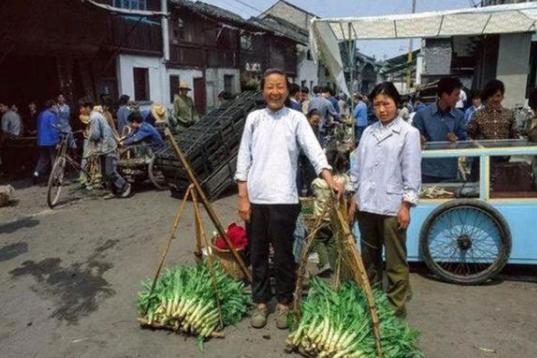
x=58, y=179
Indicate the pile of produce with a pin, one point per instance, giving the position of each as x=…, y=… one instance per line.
x=337, y=324
x=185, y=300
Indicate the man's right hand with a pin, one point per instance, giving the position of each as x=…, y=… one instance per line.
x=245, y=209
x=423, y=141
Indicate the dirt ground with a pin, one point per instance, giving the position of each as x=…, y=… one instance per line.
x=69, y=279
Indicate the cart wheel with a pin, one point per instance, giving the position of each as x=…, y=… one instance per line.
x=55, y=182
x=465, y=241
x=156, y=176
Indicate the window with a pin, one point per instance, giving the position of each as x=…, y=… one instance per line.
x=308, y=56
x=228, y=83
x=131, y=4
x=246, y=42
x=141, y=84
x=174, y=84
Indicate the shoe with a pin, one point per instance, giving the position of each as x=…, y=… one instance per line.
x=126, y=193
x=110, y=196
x=282, y=311
x=259, y=317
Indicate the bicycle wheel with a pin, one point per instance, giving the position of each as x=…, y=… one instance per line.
x=465, y=242
x=155, y=176
x=55, y=182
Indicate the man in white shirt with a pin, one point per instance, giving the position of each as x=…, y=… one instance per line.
x=268, y=195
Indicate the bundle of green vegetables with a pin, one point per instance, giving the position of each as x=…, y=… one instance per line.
x=186, y=299
x=338, y=324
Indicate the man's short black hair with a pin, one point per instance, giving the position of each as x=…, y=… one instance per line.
x=387, y=89
x=49, y=103
x=86, y=105
x=123, y=100
x=272, y=71
x=448, y=85
x=329, y=90
x=305, y=90
x=475, y=94
x=135, y=117
x=293, y=89
x=491, y=88
x=317, y=89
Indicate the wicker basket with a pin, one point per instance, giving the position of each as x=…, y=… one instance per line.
x=227, y=260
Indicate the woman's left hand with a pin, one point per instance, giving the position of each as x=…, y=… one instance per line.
x=403, y=216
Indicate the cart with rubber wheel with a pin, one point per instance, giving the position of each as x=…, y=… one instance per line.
x=137, y=164
x=466, y=230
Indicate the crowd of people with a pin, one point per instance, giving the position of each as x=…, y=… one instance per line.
x=289, y=150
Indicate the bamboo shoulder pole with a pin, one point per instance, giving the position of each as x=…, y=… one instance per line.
x=206, y=204
x=169, y=243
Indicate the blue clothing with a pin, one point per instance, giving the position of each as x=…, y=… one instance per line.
x=469, y=113
x=64, y=118
x=326, y=109
x=293, y=104
x=122, y=118
x=47, y=131
x=385, y=170
x=145, y=133
x=360, y=114
x=420, y=106
x=434, y=125
x=334, y=102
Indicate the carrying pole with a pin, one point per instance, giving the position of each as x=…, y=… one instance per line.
x=206, y=204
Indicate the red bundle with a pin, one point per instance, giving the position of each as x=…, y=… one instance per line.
x=237, y=236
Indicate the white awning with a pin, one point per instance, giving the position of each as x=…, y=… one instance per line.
x=326, y=33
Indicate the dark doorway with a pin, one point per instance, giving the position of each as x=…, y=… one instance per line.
x=141, y=84
x=200, y=97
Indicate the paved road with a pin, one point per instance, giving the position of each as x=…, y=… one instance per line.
x=70, y=276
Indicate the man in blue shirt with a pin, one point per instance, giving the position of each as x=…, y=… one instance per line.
x=360, y=115
x=326, y=109
x=329, y=94
x=123, y=113
x=294, y=97
x=143, y=132
x=439, y=122
x=48, y=136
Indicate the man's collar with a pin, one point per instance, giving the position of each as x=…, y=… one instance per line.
x=436, y=109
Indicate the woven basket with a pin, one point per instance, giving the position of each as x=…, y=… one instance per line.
x=227, y=260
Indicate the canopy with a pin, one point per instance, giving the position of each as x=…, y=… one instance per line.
x=326, y=33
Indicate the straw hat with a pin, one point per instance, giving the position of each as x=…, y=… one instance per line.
x=184, y=85
x=84, y=119
x=158, y=111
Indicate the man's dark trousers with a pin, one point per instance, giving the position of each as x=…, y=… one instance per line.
x=272, y=224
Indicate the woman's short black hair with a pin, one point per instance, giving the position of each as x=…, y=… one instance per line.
x=305, y=90
x=448, y=85
x=532, y=100
x=476, y=94
x=491, y=88
x=387, y=89
x=272, y=71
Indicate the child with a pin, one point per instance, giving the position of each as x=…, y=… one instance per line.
x=324, y=243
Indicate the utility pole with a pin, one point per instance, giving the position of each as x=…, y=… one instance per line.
x=409, y=60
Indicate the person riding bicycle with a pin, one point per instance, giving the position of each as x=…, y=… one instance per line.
x=143, y=133
x=101, y=134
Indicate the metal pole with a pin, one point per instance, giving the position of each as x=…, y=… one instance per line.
x=409, y=61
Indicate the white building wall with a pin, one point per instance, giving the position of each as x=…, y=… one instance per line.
x=125, y=75
x=307, y=70
x=214, y=83
x=186, y=75
x=513, y=67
